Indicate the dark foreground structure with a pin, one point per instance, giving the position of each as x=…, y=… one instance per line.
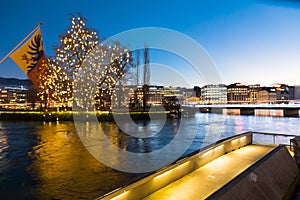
x=239, y=167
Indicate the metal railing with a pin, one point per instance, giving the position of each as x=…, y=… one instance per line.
x=273, y=139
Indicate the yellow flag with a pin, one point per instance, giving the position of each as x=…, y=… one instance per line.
x=31, y=57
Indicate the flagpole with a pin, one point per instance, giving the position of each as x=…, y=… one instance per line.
x=17, y=46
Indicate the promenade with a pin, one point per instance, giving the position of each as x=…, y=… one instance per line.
x=207, y=179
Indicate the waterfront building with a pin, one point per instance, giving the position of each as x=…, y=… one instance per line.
x=188, y=92
x=197, y=91
x=17, y=94
x=297, y=93
x=172, y=91
x=238, y=93
x=192, y=100
x=263, y=96
x=128, y=94
x=3, y=96
x=154, y=95
x=253, y=93
x=136, y=100
x=146, y=96
x=190, y=96
x=282, y=93
x=14, y=97
x=291, y=94
x=214, y=94
x=267, y=95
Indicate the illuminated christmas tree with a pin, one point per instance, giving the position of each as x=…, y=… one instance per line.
x=114, y=63
x=80, y=62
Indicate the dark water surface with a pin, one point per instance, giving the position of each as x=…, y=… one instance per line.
x=40, y=160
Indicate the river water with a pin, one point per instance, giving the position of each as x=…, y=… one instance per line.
x=46, y=160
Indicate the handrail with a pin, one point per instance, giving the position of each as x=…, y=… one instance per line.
x=274, y=134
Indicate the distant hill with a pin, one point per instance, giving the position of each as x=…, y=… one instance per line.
x=14, y=82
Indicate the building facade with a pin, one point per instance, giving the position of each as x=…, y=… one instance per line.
x=253, y=93
x=267, y=95
x=146, y=96
x=238, y=93
x=3, y=96
x=14, y=98
x=297, y=93
x=214, y=94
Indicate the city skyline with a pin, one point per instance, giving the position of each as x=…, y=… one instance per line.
x=250, y=42
x=4, y=80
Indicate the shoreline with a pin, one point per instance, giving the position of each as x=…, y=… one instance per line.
x=68, y=115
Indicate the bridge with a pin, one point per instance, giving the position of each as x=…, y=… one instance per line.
x=247, y=166
x=284, y=110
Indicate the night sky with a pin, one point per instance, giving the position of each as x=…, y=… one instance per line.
x=249, y=41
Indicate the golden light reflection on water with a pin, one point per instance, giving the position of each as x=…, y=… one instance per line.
x=65, y=170
x=3, y=146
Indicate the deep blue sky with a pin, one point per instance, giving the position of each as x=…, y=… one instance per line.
x=250, y=41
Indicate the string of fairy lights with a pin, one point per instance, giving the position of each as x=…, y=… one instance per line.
x=80, y=60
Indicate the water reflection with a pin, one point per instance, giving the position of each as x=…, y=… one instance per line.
x=64, y=168
x=48, y=161
x=4, y=162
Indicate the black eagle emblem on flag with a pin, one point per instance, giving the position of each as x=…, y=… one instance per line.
x=36, y=52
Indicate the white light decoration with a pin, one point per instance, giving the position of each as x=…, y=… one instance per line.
x=75, y=45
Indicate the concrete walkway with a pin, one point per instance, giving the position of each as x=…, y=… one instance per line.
x=204, y=181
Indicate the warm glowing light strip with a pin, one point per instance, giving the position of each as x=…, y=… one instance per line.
x=218, y=148
x=120, y=196
x=163, y=174
x=243, y=139
x=205, y=154
x=235, y=140
x=171, y=170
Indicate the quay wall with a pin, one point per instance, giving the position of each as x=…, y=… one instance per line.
x=67, y=115
x=273, y=177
